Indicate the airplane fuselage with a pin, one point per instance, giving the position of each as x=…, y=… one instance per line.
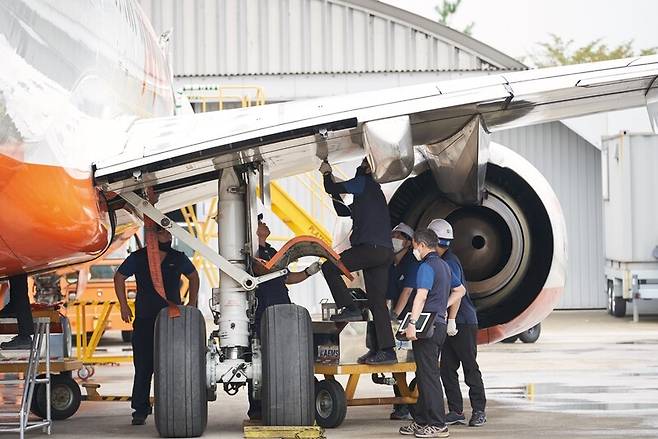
x=74, y=77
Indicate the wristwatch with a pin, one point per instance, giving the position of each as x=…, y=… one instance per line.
x=412, y=322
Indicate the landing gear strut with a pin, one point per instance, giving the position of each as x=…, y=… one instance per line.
x=189, y=367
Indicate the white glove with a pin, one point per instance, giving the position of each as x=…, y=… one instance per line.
x=452, y=327
x=325, y=168
x=312, y=269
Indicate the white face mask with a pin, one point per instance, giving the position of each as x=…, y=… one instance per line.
x=398, y=244
x=417, y=255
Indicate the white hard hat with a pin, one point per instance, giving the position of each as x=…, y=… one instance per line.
x=403, y=228
x=442, y=228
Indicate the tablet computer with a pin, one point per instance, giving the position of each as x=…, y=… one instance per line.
x=423, y=325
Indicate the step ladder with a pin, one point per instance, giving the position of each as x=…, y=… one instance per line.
x=40, y=340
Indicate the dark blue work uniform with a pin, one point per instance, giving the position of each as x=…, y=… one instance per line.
x=462, y=348
x=433, y=275
x=272, y=292
x=371, y=251
x=402, y=276
x=148, y=304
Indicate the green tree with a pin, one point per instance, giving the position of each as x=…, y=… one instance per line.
x=559, y=52
x=449, y=8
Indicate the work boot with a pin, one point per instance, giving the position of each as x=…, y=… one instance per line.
x=348, y=314
x=478, y=419
x=139, y=419
x=433, y=431
x=411, y=429
x=363, y=358
x=386, y=356
x=455, y=418
x=18, y=343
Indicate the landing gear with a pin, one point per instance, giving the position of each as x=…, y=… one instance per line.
x=288, y=385
x=181, y=408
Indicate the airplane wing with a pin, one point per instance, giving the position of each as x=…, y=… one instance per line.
x=175, y=153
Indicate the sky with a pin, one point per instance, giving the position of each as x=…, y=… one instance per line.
x=515, y=26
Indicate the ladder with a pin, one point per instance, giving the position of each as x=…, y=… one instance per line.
x=34, y=366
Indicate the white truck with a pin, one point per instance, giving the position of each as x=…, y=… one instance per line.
x=629, y=176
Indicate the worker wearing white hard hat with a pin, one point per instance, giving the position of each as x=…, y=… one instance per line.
x=461, y=345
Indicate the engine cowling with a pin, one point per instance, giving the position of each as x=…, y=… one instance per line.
x=512, y=246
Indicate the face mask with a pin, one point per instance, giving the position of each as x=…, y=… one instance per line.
x=164, y=246
x=417, y=255
x=398, y=245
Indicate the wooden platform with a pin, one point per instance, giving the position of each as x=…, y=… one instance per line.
x=19, y=365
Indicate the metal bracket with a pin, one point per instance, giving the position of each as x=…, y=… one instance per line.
x=247, y=281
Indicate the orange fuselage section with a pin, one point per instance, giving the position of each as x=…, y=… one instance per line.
x=49, y=217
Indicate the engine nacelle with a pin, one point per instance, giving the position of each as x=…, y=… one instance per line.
x=512, y=246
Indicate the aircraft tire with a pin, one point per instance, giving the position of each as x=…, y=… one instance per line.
x=288, y=390
x=181, y=403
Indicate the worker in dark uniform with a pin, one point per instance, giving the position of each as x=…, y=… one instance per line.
x=371, y=251
x=461, y=345
x=401, y=284
x=148, y=304
x=433, y=285
x=19, y=308
x=272, y=292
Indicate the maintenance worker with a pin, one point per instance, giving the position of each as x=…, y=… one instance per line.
x=148, y=304
x=432, y=296
x=272, y=292
x=461, y=345
x=371, y=251
x=19, y=308
x=401, y=283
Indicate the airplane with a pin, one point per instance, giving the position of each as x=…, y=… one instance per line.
x=91, y=145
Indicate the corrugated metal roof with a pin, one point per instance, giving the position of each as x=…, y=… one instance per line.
x=250, y=37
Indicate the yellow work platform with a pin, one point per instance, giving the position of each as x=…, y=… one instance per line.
x=332, y=400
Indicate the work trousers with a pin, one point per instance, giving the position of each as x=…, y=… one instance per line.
x=375, y=262
x=429, y=407
x=462, y=348
x=142, y=341
x=19, y=304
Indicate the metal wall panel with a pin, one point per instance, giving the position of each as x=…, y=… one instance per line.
x=573, y=168
x=239, y=37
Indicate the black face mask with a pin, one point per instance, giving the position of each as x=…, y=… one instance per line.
x=164, y=246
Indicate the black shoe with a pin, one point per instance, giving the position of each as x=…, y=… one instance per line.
x=18, y=343
x=347, y=315
x=139, y=419
x=383, y=357
x=455, y=418
x=364, y=358
x=478, y=419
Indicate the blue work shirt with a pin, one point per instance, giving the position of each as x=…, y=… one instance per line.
x=434, y=275
x=467, y=314
x=402, y=276
x=371, y=222
x=272, y=292
x=148, y=302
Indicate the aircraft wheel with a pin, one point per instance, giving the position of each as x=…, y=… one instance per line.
x=288, y=385
x=181, y=403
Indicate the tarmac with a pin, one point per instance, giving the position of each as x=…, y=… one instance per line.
x=590, y=375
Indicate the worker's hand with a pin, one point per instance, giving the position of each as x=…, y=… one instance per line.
x=312, y=269
x=126, y=313
x=410, y=332
x=452, y=327
x=325, y=168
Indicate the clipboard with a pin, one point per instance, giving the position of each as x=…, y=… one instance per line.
x=424, y=326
